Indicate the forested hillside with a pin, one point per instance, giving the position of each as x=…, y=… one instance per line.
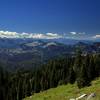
x=81, y=69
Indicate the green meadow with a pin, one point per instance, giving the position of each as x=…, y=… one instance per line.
x=66, y=92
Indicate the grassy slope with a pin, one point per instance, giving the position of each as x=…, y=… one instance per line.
x=65, y=92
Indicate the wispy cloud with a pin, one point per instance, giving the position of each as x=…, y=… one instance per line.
x=52, y=34
x=73, y=33
x=77, y=33
x=96, y=36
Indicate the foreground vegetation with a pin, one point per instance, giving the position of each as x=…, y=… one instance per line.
x=66, y=92
x=81, y=69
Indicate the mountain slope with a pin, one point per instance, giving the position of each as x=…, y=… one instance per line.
x=65, y=92
x=19, y=53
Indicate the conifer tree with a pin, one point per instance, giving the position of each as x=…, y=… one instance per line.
x=83, y=79
x=72, y=76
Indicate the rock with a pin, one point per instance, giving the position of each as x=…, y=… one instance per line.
x=92, y=95
x=30, y=96
x=72, y=99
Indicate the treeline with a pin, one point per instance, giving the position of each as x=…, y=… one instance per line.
x=81, y=69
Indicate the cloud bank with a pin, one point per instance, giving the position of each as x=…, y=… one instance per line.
x=70, y=35
x=7, y=34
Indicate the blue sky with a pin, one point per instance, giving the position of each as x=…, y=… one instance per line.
x=56, y=16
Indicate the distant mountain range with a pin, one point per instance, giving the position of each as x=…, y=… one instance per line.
x=28, y=53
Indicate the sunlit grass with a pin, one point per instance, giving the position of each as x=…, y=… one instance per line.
x=65, y=92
